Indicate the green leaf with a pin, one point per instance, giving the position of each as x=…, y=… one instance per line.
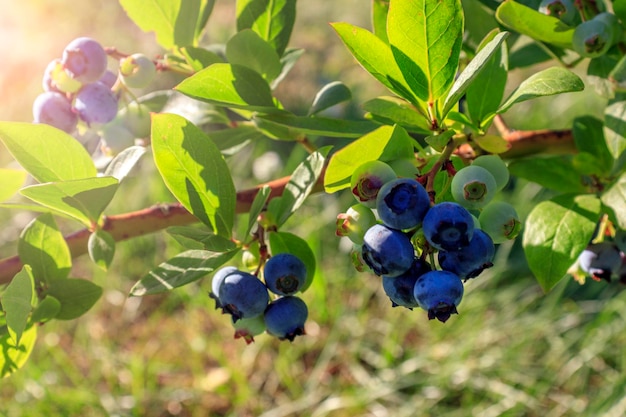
x=316, y=126
x=555, y=80
x=392, y=110
x=46, y=310
x=14, y=356
x=84, y=200
x=589, y=137
x=43, y=248
x=530, y=22
x=200, y=58
x=248, y=49
x=426, y=38
x=438, y=141
x=484, y=94
x=174, y=22
x=480, y=63
x=615, y=198
x=492, y=143
x=375, y=57
x=231, y=86
x=284, y=242
x=302, y=181
x=272, y=19
x=124, y=162
x=556, y=232
x=17, y=302
x=12, y=181
x=329, y=95
x=554, y=172
x=47, y=153
x=387, y=143
x=257, y=206
x=194, y=171
x=619, y=8
x=287, y=61
x=180, y=270
x=76, y=296
x=380, y=10
x=206, y=239
x=615, y=126
x=101, y=248
x=231, y=140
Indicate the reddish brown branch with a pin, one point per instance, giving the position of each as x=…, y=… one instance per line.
x=129, y=225
x=139, y=223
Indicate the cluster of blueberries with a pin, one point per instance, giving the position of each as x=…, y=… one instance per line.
x=397, y=231
x=81, y=96
x=247, y=300
x=605, y=260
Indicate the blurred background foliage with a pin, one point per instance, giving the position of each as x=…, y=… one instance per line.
x=512, y=351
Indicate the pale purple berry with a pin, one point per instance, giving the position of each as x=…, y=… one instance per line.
x=96, y=104
x=85, y=60
x=54, y=109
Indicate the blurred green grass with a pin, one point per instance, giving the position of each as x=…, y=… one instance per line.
x=512, y=351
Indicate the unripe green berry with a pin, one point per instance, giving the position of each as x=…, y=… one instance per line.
x=496, y=166
x=473, y=187
x=368, y=178
x=355, y=222
x=137, y=70
x=500, y=221
x=561, y=9
x=592, y=38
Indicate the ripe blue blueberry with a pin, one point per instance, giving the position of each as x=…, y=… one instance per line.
x=400, y=289
x=448, y=226
x=285, y=317
x=439, y=293
x=402, y=203
x=284, y=274
x=600, y=260
x=387, y=251
x=620, y=240
x=242, y=295
x=218, y=278
x=470, y=261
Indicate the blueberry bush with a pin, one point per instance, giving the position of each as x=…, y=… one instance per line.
x=428, y=164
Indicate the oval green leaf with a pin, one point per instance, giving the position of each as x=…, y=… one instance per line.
x=101, y=248
x=76, y=296
x=426, y=38
x=194, y=171
x=83, y=200
x=555, y=80
x=43, y=248
x=248, y=49
x=182, y=269
x=17, y=301
x=14, y=356
x=47, y=153
x=556, y=232
x=231, y=86
x=273, y=20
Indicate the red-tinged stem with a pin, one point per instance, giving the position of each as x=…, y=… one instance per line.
x=139, y=223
